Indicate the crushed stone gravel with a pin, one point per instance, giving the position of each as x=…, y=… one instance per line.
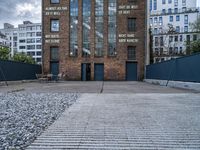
x=23, y=116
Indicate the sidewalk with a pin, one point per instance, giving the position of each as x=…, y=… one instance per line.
x=126, y=121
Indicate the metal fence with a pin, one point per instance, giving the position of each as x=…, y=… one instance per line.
x=180, y=69
x=13, y=71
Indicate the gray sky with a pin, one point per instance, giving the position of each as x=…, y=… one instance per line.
x=16, y=11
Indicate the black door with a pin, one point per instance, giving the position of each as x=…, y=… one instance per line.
x=54, y=67
x=131, y=71
x=98, y=72
x=86, y=72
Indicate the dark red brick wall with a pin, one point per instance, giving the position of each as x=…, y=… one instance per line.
x=114, y=67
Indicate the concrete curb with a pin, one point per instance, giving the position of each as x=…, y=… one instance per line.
x=176, y=84
x=2, y=83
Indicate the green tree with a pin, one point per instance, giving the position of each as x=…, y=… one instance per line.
x=22, y=57
x=4, y=53
x=196, y=25
x=194, y=46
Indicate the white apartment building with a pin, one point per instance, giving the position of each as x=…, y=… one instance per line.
x=4, y=42
x=170, y=23
x=26, y=38
x=12, y=37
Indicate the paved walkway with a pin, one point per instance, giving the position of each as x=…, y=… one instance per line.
x=126, y=121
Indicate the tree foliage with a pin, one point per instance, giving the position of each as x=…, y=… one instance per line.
x=195, y=46
x=196, y=25
x=22, y=57
x=4, y=53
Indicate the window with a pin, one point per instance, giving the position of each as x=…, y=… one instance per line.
x=155, y=30
x=55, y=25
x=183, y=2
x=188, y=38
x=169, y=10
x=74, y=28
x=160, y=20
x=39, y=59
x=30, y=47
x=176, y=10
x=170, y=39
x=22, y=41
x=151, y=5
x=38, y=27
x=133, y=1
x=131, y=53
x=163, y=11
x=155, y=20
x=184, y=9
x=31, y=53
x=55, y=1
x=176, y=38
x=54, y=54
x=86, y=11
x=29, y=28
x=181, y=50
x=30, y=34
x=38, y=34
x=39, y=40
x=169, y=1
x=186, y=19
x=39, y=53
x=38, y=46
x=181, y=38
x=22, y=47
x=131, y=24
x=171, y=18
x=99, y=27
x=156, y=41
x=175, y=3
x=177, y=29
x=161, y=41
x=30, y=40
x=154, y=4
x=163, y=1
x=194, y=37
x=185, y=28
x=112, y=33
x=178, y=18
x=22, y=34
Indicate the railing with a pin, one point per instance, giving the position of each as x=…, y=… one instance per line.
x=175, y=11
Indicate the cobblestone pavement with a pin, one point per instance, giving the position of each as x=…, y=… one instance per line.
x=127, y=121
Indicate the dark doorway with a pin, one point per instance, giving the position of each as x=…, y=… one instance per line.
x=86, y=72
x=131, y=71
x=98, y=72
x=54, y=67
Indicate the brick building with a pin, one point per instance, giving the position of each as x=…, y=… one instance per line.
x=94, y=39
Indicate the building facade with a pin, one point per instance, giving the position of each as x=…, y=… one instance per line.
x=12, y=36
x=4, y=42
x=26, y=38
x=170, y=25
x=94, y=39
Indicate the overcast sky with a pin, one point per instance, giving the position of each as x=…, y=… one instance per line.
x=16, y=11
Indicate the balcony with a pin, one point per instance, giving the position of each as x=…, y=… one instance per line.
x=175, y=11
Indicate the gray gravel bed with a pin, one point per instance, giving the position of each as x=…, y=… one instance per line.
x=23, y=116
